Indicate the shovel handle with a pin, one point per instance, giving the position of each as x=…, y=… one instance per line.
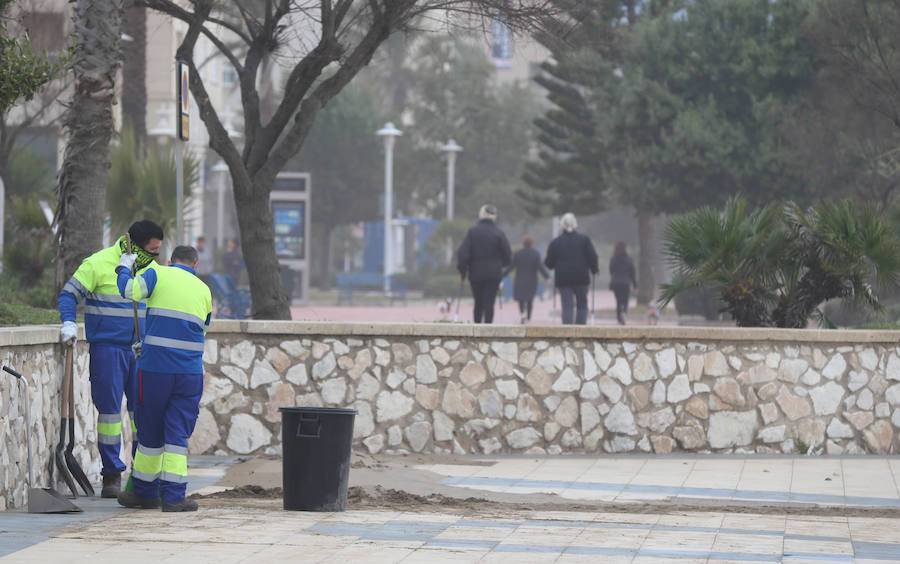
x=137, y=325
x=13, y=372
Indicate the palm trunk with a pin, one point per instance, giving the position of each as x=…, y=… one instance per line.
x=258, y=247
x=89, y=122
x=646, y=282
x=134, y=72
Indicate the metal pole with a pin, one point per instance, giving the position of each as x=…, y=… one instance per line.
x=179, y=192
x=388, y=210
x=2, y=217
x=451, y=179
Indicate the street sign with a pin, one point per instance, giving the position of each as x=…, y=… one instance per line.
x=184, y=100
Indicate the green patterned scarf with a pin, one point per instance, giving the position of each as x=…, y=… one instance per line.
x=143, y=257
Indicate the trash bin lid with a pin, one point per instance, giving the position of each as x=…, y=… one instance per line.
x=320, y=410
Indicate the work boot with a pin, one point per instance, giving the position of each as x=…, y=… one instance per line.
x=185, y=505
x=131, y=499
x=112, y=483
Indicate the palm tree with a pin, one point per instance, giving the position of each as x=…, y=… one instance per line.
x=89, y=123
x=838, y=251
x=734, y=253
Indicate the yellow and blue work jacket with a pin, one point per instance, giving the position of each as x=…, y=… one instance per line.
x=108, y=317
x=179, y=307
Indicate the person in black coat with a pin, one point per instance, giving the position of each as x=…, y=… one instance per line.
x=527, y=263
x=622, y=278
x=482, y=255
x=573, y=257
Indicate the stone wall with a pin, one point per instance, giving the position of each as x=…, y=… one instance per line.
x=457, y=388
x=484, y=390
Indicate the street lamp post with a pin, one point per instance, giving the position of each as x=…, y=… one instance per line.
x=389, y=133
x=2, y=216
x=451, y=148
x=221, y=171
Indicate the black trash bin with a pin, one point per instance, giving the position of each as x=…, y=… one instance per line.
x=316, y=457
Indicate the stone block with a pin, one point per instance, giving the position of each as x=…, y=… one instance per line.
x=732, y=428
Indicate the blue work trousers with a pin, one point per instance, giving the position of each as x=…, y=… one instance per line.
x=113, y=371
x=166, y=413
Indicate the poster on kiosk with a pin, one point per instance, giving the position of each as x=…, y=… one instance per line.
x=290, y=211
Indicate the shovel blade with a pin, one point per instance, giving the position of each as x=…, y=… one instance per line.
x=48, y=500
x=78, y=474
x=64, y=472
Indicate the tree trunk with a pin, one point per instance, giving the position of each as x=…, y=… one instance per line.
x=646, y=282
x=134, y=72
x=258, y=247
x=89, y=123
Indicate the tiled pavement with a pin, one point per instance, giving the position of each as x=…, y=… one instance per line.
x=253, y=534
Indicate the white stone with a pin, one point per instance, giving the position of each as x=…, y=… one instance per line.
x=865, y=401
x=772, y=360
x=839, y=430
x=679, y=389
x=621, y=371
x=701, y=388
x=297, y=375
x=667, y=362
x=509, y=389
x=791, y=369
x=882, y=410
x=628, y=348
x=827, y=398
x=552, y=360
x=714, y=364
x=211, y=351
x=643, y=369
x=835, y=367
x=522, y=438
x=247, y=434
x=395, y=435
x=418, y=435
x=895, y=418
x=374, y=443
x=440, y=356
x=263, y=373
x=237, y=375
x=364, y=422
x=509, y=411
x=601, y=357
x=811, y=377
x=620, y=420
x=242, y=354
x=490, y=403
x=443, y=426
x=893, y=367
x=507, y=351
x=382, y=357
x=206, y=433
x=590, y=366
x=552, y=402
x=334, y=391
x=395, y=378
x=323, y=368
x=590, y=418
x=567, y=382
x=491, y=445
x=772, y=434
x=892, y=394
x=294, y=348
x=735, y=362
x=214, y=389
x=368, y=387
x=658, y=395
x=393, y=405
x=619, y=444
x=570, y=439
x=857, y=380
x=426, y=371
x=590, y=390
x=610, y=388
x=868, y=359
x=731, y=428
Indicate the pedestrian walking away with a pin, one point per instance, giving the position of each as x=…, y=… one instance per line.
x=622, y=279
x=110, y=330
x=170, y=377
x=481, y=256
x=527, y=264
x=574, y=259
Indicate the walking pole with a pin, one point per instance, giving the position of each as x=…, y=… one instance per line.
x=593, y=279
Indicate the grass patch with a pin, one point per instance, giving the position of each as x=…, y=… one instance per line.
x=882, y=325
x=13, y=314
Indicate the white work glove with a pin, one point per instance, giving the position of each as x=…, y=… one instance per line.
x=69, y=332
x=127, y=262
x=136, y=348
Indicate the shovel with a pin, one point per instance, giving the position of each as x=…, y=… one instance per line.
x=59, y=455
x=40, y=500
x=71, y=462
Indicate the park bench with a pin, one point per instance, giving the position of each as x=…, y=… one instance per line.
x=348, y=282
x=230, y=302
